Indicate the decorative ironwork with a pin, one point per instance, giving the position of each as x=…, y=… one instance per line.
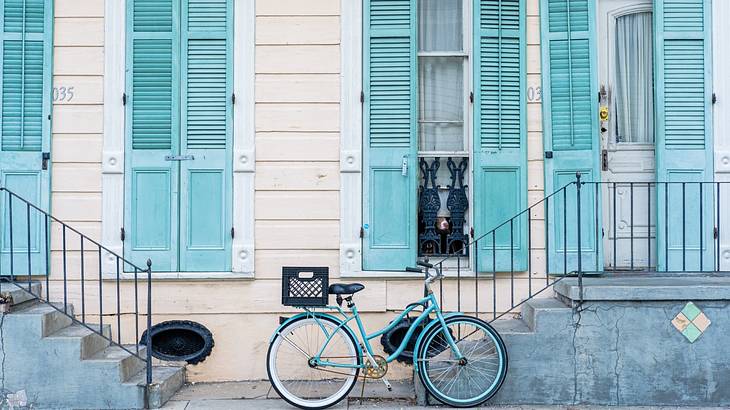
x=457, y=204
x=429, y=241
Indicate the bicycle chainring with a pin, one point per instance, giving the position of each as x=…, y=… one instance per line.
x=376, y=373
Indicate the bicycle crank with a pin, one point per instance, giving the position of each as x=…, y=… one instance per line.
x=372, y=372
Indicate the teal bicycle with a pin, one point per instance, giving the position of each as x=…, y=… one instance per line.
x=314, y=358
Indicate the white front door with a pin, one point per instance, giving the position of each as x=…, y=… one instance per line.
x=625, y=53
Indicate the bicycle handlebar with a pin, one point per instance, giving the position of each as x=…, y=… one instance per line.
x=424, y=264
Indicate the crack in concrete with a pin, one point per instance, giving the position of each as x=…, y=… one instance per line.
x=2, y=350
x=616, y=365
x=577, y=311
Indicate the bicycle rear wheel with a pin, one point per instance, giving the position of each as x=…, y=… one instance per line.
x=295, y=377
x=469, y=382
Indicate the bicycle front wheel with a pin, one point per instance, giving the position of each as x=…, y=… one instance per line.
x=297, y=379
x=468, y=382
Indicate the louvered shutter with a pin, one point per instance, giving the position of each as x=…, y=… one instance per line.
x=390, y=170
x=500, y=150
x=151, y=211
x=25, y=107
x=206, y=180
x=684, y=138
x=570, y=126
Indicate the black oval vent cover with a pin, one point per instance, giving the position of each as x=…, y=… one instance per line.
x=180, y=340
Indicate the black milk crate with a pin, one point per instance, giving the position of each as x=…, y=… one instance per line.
x=304, y=287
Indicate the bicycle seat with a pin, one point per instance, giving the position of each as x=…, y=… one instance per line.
x=345, y=288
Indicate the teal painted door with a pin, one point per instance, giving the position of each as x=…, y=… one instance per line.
x=389, y=152
x=684, y=138
x=178, y=162
x=25, y=90
x=500, y=157
x=570, y=126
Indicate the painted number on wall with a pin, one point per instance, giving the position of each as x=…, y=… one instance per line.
x=534, y=94
x=63, y=94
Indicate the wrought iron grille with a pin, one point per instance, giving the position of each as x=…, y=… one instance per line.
x=441, y=224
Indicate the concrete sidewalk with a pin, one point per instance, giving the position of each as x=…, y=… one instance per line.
x=259, y=396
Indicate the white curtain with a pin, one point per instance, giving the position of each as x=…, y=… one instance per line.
x=441, y=78
x=634, y=83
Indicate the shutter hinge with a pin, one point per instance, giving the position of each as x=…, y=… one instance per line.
x=233, y=232
x=714, y=98
x=471, y=97
x=122, y=234
x=715, y=232
x=471, y=232
x=362, y=97
x=362, y=232
x=124, y=98
x=233, y=98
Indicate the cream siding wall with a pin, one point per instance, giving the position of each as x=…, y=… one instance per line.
x=297, y=188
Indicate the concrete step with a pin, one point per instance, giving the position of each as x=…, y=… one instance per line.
x=41, y=319
x=511, y=326
x=82, y=342
x=20, y=295
x=115, y=359
x=166, y=381
x=545, y=313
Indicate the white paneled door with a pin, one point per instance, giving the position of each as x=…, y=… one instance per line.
x=625, y=53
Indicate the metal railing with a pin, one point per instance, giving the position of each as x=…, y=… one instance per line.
x=27, y=252
x=592, y=228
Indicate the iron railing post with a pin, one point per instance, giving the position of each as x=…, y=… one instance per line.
x=149, y=323
x=580, y=256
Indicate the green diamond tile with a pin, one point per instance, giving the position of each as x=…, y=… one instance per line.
x=691, y=311
x=691, y=333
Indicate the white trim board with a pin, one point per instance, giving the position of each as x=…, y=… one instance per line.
x=721, y=111
x=112, y=218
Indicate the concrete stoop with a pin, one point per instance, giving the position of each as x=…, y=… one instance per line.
x=619, y=347
x=56, y=363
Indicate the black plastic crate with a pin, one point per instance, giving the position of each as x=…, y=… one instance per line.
x=304, y=287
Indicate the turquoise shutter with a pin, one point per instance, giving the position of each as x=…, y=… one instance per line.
x=205, y=181
x=500, y=149
x=570, y=126
x=390, y=170
x=151, y=182
x=683, y=73
x=26, y=44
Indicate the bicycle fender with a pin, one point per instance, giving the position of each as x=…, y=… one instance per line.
x=432, y=323
x=318, y=314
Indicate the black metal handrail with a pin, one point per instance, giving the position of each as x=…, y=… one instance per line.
x=39, y=221
x=581, y=228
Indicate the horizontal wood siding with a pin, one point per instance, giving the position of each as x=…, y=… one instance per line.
x=297, y=189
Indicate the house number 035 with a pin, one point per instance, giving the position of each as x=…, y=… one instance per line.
x=534, y=94
x=63, y=94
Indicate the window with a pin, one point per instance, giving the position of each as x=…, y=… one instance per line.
x=442, y=131
x=634, y=79
x=426, y=146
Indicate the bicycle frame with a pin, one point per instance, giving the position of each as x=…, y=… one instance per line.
x=431, y=307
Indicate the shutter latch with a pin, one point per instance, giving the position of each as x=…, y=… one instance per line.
x=233, y=233
x=124, y=98
x=45, y=157
x=233, y=98
x=714, y=98
x=362, y=232
x=362, y=97
x=471, y=97
x=122, y=234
